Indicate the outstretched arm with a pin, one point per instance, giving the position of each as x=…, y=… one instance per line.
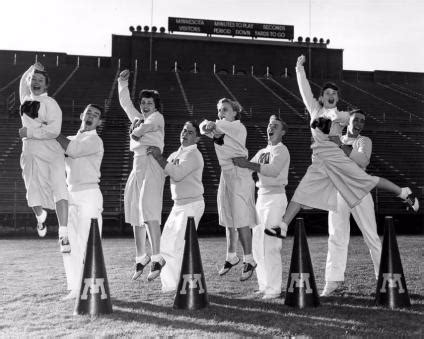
x=244, y=163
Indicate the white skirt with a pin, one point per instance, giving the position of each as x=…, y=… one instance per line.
x=236, y=198
x=331, y=172
x=144, y=191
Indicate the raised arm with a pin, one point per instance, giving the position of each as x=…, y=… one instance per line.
x=124, y=97
x=305, y=88
x=24, y=84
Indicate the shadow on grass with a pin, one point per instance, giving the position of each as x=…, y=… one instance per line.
x=170, y=318
x=256, y=317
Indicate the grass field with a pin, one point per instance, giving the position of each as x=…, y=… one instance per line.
x=32, y=283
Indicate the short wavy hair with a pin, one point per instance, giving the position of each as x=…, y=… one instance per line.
x=234, y=105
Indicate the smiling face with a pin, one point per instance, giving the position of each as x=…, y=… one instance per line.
x=275, y=131
x=38, y=84
x=329, y=98
x=356, y=125
x=147, y=105
x=90, y=118
x=226, y=111
x=188, y=135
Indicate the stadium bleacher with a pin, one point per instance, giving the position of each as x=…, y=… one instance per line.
x=395, y=120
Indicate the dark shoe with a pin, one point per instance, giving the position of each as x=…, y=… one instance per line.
x=139, y=267
x=155, y=269
x=275, y=232
x=247, y=271
x=227, y=267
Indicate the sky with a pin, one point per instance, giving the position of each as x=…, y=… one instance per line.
x=374, y=34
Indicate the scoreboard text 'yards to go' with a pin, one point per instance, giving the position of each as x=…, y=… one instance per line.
x=232, y=28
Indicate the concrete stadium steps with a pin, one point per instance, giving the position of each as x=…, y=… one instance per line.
x=258, y=102
x=8, y=73
x=417, y=88
x=364, y=96
x=292, y=98
x=416, y=92
x=203, y=92
x=173, y=104
x=87, y=85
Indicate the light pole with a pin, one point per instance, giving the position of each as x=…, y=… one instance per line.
x=309, y=44
x=151, y=37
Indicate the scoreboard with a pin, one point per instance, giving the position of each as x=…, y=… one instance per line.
x=231, y=28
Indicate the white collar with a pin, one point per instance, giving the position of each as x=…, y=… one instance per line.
x=92, y=132
x=34, y=97
x=188, y=148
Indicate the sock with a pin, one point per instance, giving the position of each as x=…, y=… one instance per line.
x=248, y=258
x=63, y=231
x=156, y=257
x=42, y=217
x=140, y=259
x=405, y=191
x=231, y=257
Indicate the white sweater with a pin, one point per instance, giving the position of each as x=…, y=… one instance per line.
x=152, y=131
x=361, y=149
x=274, y=162
x=234, y=140
x=185, y=169
x=85, y=154
x=340, y=119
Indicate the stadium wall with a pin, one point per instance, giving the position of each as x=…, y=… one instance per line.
x=166, y=49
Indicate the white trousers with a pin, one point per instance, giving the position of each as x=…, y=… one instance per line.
x=83, y=206
x=339, y=234
x=266, y=250
x=172, y=241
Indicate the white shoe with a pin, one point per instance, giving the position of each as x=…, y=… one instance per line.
x=271, y=296
x=41, y=226
x=332, y=287
x=65, y=246
x=70, y=295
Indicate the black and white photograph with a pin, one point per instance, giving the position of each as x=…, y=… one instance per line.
x=227, y=168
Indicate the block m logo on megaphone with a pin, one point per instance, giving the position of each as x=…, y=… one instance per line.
x=392, y=280
x=300, y=279
x=95, y=285
x=192, y=280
